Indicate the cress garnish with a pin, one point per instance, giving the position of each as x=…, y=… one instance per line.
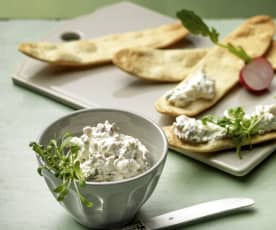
x=239, y=128
x=61, y=160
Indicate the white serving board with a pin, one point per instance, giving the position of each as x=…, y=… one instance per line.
x=107, y=86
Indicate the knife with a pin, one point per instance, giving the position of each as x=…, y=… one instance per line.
x=191, y=214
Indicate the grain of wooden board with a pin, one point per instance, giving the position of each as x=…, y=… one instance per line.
x=115, y=88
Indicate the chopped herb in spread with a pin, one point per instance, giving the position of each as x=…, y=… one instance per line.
x=105, y=154
x=199, y=86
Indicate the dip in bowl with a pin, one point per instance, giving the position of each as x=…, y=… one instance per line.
x=115, y=201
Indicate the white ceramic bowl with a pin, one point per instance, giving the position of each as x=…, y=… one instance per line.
x=115, y=203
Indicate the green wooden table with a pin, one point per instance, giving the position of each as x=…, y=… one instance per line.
x=26, y=203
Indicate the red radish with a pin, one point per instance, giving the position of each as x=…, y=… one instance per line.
x=257, y=75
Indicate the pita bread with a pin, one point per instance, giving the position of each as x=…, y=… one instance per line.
x=158, y=65
x=213, y=146
x=220, y=65
x=100, y=50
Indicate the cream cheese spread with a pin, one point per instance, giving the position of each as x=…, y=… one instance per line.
x=108, y=155
x=267, y=116
x=199, y=86
x=193, y=130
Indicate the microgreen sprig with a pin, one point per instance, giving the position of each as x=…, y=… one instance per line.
x=197, y=26
x=61, y=160
x=239, y=128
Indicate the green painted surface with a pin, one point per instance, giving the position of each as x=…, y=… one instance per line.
x=26, y=203
x=72, y=8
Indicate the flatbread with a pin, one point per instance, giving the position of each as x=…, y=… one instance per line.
x=100, y=50
x=167, y=65
x=158, y=65
x=213, y=146
x=220, y=65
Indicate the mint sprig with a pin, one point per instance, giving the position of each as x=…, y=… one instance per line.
x=198, y=27
x=60, y=159
x=239, y=128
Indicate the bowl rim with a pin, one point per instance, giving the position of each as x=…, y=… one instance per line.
x=152, y=168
